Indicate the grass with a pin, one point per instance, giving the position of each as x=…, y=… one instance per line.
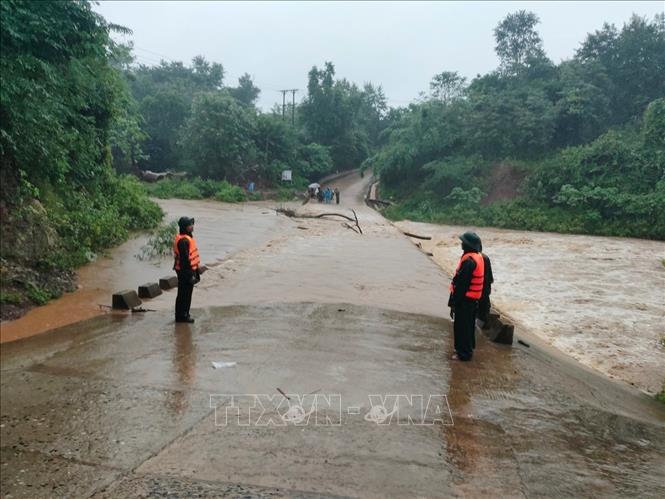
x=10, y=298
x=197, y=188
x=660, y=397
x=37, y=295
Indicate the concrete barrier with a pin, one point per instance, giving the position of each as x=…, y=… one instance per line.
x=168, y=282
x=497, y=329
x=125, y=300
x=149, y=290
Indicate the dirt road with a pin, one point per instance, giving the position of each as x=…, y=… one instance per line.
x=132, y=406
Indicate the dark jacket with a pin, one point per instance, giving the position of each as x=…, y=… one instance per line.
x=183, y=250
x=461, y=282
x=488, y=277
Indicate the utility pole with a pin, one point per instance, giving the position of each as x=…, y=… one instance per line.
x=293, y=110
x=283, y=102
x=293, y=106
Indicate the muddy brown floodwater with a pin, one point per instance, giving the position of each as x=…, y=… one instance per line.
x=129, y=405
x=600, y=300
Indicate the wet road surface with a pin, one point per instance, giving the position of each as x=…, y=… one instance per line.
x=130, y=405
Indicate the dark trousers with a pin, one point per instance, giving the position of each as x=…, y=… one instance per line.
x=184, y=299
x=484, y=306
x=464, y=328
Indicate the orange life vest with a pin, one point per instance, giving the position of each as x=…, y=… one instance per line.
x=475, y=290
x=194, y=259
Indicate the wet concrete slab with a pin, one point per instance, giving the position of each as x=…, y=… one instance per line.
x=59, y=413
x=33, y=475
x=168, y=486
x=132, y=398
x=355, y=459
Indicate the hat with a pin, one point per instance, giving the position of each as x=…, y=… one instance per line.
x=185, y=222
x=472, y=240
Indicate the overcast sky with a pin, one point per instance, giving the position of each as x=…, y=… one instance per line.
x=399, y=45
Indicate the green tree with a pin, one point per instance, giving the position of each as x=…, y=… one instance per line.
x=518, y=44
x=447, y=85
x=633, y=60
x=218, y=138
x=246, y=92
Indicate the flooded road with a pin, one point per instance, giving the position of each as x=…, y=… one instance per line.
x=223, y=230
x=600, y=300
x=131, y=406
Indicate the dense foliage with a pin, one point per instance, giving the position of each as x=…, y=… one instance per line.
x=587, y=136
x=61, y=100
x=196, y=124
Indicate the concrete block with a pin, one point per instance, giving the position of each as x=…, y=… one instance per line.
x=502, y=334
x=149, y=290
x=168, y=282
x=125, y=300
x=492, y=322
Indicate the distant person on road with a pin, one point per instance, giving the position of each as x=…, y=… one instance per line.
x=319, y=195
x=466, y=289
x=336, y=195
x=484, y=304
x=186, y=264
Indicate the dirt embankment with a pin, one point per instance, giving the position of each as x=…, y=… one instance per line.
x=503, y=184
x=27, y=238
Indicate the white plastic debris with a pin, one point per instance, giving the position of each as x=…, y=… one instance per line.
x=220, y=365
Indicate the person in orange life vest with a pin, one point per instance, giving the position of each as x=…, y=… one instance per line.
x=466, y=289
x=186, y=264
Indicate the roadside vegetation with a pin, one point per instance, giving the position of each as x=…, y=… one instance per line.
x=80, y=120
x=581, y=143
x=60, y=100
x=585, y=138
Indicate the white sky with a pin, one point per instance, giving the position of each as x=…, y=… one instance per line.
x=399, y=45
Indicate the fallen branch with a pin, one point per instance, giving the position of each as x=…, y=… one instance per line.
x=350, y=227
x=357, y=223
x=415, y=236
x=331, y=215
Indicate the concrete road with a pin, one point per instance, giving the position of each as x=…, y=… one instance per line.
x=351, y=328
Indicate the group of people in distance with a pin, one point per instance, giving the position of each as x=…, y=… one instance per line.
x=470, y=287
x=325, y=195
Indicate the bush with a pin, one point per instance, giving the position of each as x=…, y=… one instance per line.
x=175, y=188
x=160, y=242
x=38, y=296
x=10, y=298
x=229, y=193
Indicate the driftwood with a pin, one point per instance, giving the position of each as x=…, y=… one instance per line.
x=330, y=215
x=357, y=223
x=150, y=176
x=416, y=236
x=292, y=214
x=348, y=226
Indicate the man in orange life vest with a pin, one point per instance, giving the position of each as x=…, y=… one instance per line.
x=466, y=289
x=186, y=265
